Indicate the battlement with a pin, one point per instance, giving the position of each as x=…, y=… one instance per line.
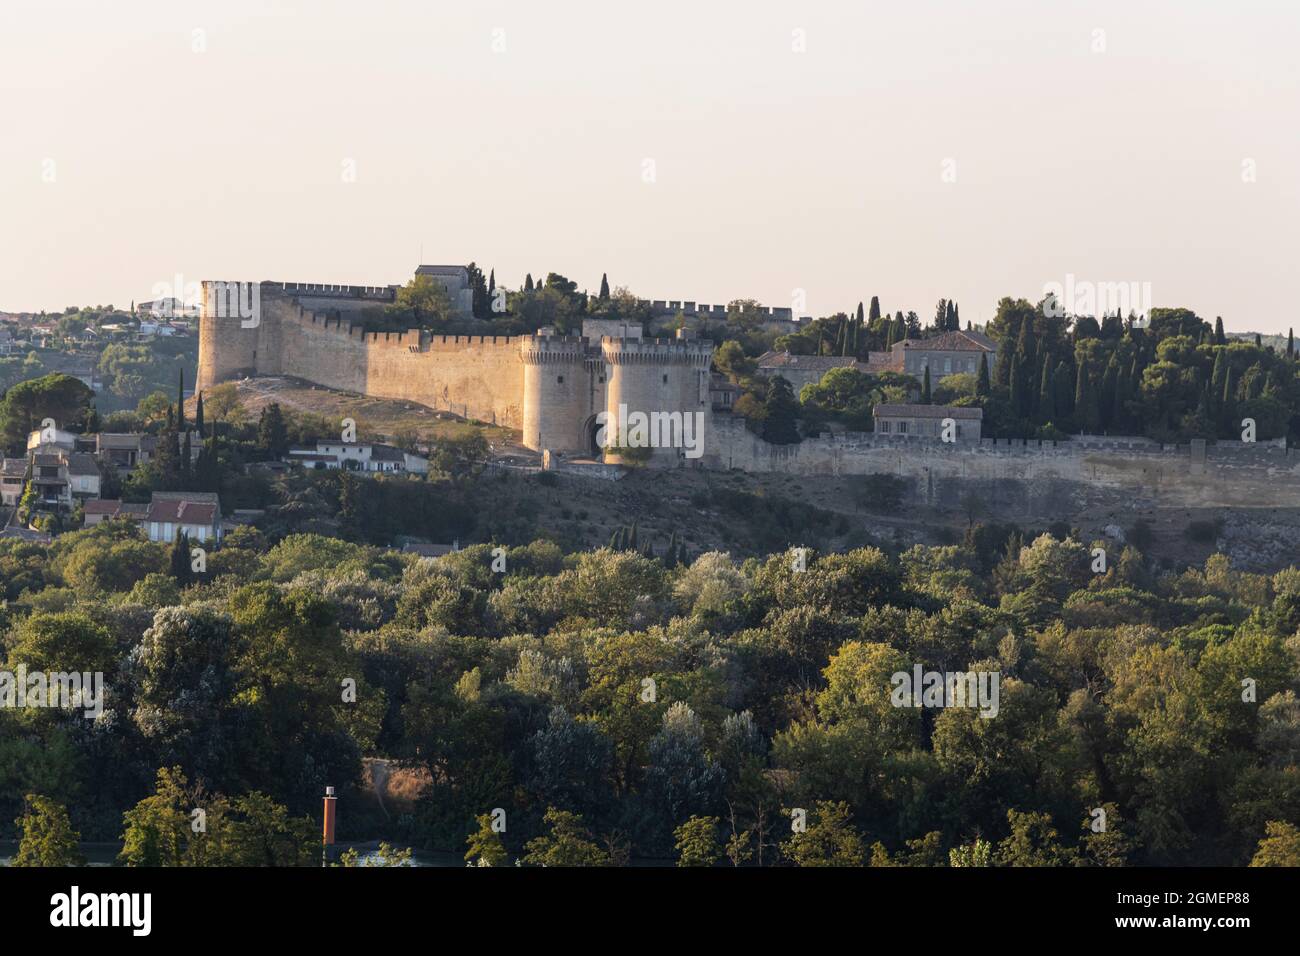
x=670, y=307
x=540, y=349
x=1226, y=474
x=315, y=290
x=656, y=352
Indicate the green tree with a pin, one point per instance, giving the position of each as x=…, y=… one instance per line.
x=272, y=432
x=485, y=846
x=180, y=563
x=982, y=387
x=829, y=839
x=697, y=842
x=780, y=421
x=568, y=843
x=27, y=404
x=46, y=837
x=1033, y=842
x=1280, y=846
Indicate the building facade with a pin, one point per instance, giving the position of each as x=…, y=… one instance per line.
x=927, y=421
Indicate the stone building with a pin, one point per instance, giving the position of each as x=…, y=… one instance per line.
x=926, y=421
x=948, y=354
x=801, y=370
x=555, y=389
x=455, y=279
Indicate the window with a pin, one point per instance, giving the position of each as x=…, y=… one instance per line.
x=902, y=428
x=884, y=427
x=665, y=379
x=947, y=366
x=559, y=379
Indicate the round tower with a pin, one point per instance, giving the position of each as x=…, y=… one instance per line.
x=230, y=321
x=556, y=393
x=658, y=396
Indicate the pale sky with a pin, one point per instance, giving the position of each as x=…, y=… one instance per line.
x=1110, y=141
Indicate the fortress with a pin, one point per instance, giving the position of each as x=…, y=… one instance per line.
x=554, y=388
x=550, y=387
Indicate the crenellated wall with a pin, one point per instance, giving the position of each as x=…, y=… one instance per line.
x=549, y=387
x=1227, y=475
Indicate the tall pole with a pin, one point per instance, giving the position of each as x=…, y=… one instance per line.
x=327, y=834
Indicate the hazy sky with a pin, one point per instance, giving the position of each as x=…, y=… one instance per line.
x=520, y=135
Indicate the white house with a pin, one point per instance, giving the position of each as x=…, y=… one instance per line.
x=359, y=456
x=197, y=514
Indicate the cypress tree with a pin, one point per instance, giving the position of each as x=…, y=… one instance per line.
x=1046, y=394
x=492, y=281
x=164, y=467
x=780, y=425
x=875, y=310
x=1290, y=343
x=272, y=432
x=1006, y=349
x=1259, y=343
x=1081, y=395
x=1064, y=380
x=1017, y=384
x=1227, y=400
x=186, y=452
x=1106, y=399
x=528, y=282
x=1219, y=337
x=180, y=559
x=941, y=314
x=956, y=318
x=198, y=417
x=925, y=387
x=1216, y=378
x=180, y=399
x=982, y=387
x=1118, y=410
x=1092, y=406
x=604, y=286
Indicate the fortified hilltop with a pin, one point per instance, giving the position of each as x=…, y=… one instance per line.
x=550, y=387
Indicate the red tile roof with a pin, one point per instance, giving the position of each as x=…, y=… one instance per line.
x=179, y=511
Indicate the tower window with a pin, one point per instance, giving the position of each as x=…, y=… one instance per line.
x=665, y=379
x=560, y=379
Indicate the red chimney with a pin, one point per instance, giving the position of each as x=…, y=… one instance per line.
x=328, y=836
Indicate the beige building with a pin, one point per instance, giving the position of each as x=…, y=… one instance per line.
x=927, y=421
x=801, y=370
x=950, y=353
x=13, y=479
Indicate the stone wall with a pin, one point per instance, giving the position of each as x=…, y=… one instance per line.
x=1228, y=475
